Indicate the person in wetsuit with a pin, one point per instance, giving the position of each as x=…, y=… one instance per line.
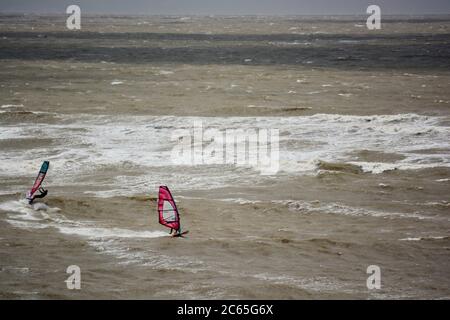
x=42, y=194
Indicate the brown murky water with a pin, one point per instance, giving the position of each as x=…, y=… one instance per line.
x=363, y=171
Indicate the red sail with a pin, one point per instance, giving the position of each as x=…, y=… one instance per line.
x=167, y=209
x=39, y=178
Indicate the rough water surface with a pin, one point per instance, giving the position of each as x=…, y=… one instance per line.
x=364, y=157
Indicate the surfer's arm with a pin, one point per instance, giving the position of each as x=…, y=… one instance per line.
x=42, y=194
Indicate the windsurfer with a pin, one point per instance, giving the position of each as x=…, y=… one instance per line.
x=31, y=197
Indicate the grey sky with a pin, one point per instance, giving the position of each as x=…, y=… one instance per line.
x=225, y=7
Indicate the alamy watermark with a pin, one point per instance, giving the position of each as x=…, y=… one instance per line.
x=73, y=22
x=74, y=280
x=257, y=148
x=374, y=280
x=374, y=20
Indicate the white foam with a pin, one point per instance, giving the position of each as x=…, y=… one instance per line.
x=148, y=258
x=107, y=240
x=309, y=207
x=319, y=284
x=411, y=239
x=88, y=143
x=100, y=233
x=7, y=192
x=442, y=203
x=32, y=112
x=39, y=215
x=349, y=41
x=239, y=200
x=27, y=225
x=21, y=210
x=380, y=167
x=15, y=269
x=290, y=43
x=425, y=238
x=8, y=106
x=39, y=206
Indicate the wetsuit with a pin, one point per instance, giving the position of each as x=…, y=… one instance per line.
x=42, y=194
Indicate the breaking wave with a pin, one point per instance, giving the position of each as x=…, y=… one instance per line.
x=90, y=144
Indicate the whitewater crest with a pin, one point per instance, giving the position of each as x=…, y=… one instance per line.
x=308, y=145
